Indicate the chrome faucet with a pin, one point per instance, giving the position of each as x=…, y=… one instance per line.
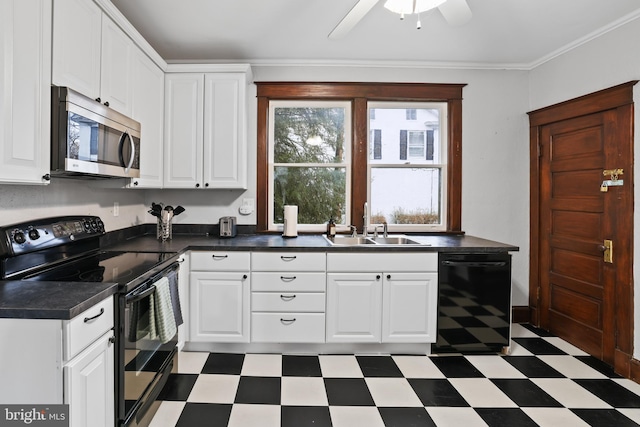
x=384, y=230
x=365, y=220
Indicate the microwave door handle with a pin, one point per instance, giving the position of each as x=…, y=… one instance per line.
x=124, y=135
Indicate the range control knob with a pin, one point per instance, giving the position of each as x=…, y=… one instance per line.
x=19, y=237
x=33, y=234
x=100, y=225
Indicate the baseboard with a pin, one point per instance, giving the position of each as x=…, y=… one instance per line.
x=635, y=370
x=520, y=314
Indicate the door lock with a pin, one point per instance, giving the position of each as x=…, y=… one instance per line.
x=607, y=248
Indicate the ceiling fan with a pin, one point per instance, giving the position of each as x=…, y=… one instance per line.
x=455, y=12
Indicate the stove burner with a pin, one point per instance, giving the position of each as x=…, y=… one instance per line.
x=96, y=275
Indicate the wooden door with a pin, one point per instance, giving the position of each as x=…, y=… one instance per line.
x=576, y=294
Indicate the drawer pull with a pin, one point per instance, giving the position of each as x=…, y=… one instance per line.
x=287, y=278
x=219, y=257
x=287, y=258
x=287, y=297
x=89, y=319
x=287, y=321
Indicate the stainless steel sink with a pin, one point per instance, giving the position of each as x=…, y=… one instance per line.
x=395, y=240
x=346, y=240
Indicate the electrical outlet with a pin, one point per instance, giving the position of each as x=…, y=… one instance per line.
x=116, y=208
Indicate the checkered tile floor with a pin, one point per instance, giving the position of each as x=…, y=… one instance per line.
x=543, y=382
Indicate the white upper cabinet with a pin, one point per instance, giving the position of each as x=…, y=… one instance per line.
x=77, y=40
x=148, y=109
x=205, y=130
x=25, y=93
x=91, y=54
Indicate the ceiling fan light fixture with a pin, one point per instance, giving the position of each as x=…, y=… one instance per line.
x=407, y=7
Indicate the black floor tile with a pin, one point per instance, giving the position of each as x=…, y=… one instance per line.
x=301, y=366
x=599, y=366
x=406, y=417
x=611, y=392
x=538, y=331
x=525, y=393
x=348, y=392
x=604, y=418
x=505, y=417
x=437, y=392
x=470, y=322
x=539, y=346
x=532, y=367
x=259, y=390
x=204, y=414
x=223, y=363
x=178, y=387
x=305, y=416
x=379, y=366
x=456, y=367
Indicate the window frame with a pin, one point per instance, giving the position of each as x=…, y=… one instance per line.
x=360, y=94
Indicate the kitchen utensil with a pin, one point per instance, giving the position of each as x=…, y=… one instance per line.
x=178, y=210
x=154, y=213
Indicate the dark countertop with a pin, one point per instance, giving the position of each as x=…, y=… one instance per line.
x=65, y=300
x=309, y=243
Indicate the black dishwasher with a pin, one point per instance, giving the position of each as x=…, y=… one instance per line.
x=474, y=303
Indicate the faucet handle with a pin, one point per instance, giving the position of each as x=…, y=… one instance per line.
x=354, y=230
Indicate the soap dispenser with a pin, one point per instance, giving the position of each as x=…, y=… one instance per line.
x=331, y=228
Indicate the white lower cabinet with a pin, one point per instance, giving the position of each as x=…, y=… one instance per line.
x=395, y=303
x=62, y=361
x=288, y=297
x=220, y=288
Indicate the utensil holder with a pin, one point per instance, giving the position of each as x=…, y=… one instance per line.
x=164, y=230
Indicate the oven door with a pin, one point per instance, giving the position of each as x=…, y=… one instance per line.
x=146, y=361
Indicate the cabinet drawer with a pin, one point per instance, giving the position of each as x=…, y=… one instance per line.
x=87, y=327
x=220, y=261
x=287, y=327
x=288, y=261
x=383, y=261
x=288, y=282
x=287, y=302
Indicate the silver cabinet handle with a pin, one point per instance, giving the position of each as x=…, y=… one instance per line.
x=287, y=297
x=287, y=278
x=287, y=321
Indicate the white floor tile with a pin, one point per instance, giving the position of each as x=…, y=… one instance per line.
x=632, y=413
x=417, y=367
x=191, y=362
x=632, y=386
x=565, y=346
x=571, y=367
x=303, y=391
x=481, y=393
x=494, y=367
x=519, y=331
x=340, y=367
x=455, y=417
x=554, y=417
x=214, y=388
x=392, y=392
x=262, y=365
x=352, y=416
x=254, y=416
x=517, y=350
x=168, y=414
x=569, y=393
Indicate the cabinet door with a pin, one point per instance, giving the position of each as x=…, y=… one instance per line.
x=220, y=306
x=116, y=68
x=25, y=91
x=77, y=38
x=224, y=131
x=148, y=109
x=183, y=130
x=354, y=307
x=89, y=388
x=409, y=308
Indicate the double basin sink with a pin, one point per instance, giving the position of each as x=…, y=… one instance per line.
x=390, y=240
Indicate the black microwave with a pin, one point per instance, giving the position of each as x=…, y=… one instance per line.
x=91, y=139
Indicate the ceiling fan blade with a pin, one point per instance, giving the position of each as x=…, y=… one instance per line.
x=455, y=12
x=352, y=18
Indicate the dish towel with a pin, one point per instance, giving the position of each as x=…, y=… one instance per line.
x=175, y=296
x=163, y=324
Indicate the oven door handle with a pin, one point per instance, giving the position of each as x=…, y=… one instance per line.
x=138, y=295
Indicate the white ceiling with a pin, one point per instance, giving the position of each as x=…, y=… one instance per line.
x=501, y=33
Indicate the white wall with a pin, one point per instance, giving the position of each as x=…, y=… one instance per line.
x=607, y=61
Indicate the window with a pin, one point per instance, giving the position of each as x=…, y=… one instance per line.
x=370, y=170
x=309, y=161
